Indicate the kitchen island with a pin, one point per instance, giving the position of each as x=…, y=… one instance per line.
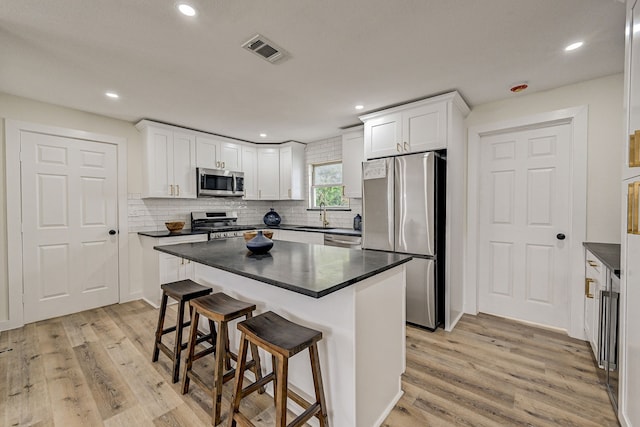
x=356, y=298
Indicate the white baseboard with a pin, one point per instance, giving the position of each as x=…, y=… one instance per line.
x=132, y=297
x=150, y=303
x=455, y=322
x=7, y=325
x=389, y=408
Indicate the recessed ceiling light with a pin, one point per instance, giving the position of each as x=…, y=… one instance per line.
x=112, y=95
x=359, y=107
x=186, y=9
x=263, y=135
x=574, y=46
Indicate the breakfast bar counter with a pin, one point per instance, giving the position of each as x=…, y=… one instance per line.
x=312, y=270
x=356, y=298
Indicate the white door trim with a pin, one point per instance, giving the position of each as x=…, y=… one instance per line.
x=577, y=117
x=14, y=210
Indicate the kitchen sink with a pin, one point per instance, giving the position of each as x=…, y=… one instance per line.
x=313, y=227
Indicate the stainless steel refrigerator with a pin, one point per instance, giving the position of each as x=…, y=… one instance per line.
x=403, y=211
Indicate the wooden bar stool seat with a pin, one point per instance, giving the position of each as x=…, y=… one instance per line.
x=218, y=308
x=283, y=339
x=182, y=291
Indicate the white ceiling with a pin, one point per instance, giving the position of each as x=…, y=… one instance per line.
x=192, y=71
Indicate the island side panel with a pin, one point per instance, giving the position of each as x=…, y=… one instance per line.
x=380, y=345
x=333, y=314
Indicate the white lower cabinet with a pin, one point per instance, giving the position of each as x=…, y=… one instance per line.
x=596, y=275
x=300, y=237
x=160, y=267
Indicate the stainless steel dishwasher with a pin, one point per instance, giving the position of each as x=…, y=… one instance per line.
x=343, y=241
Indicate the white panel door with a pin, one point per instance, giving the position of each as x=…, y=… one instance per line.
x=69, y=205
x=524, y=210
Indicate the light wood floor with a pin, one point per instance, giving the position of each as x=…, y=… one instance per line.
x=93, y=368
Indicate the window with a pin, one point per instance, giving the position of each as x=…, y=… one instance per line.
x=326, y=186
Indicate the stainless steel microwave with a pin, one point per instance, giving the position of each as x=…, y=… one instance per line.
x=219, y=183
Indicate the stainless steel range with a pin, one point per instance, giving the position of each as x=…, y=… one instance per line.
x=219, y=224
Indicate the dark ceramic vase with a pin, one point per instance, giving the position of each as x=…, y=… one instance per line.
x=272, y=218
x=260, y=244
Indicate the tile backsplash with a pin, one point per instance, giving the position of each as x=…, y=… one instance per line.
x=151, y=214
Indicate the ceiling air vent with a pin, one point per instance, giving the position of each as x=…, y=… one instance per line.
x=261, y=46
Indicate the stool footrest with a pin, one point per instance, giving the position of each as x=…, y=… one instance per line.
x=305, y=416
x=255, y=386
x=166, y=350
x=173, y=328
x=299, y=399
x=202, y=353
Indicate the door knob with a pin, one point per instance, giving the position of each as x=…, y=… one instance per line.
x=560, y=236
x=112, y=232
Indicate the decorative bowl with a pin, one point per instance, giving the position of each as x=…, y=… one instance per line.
x=174, y=226
x=260, y=244
x=248, y=235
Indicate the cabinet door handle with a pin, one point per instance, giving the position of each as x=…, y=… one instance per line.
x=223, y=165
x=177, y=190
x=259, y=194
x=634, y=149
x=289, y=193
x=633, y=206
x=398, y=147
x=218, y=165
x=592, y=263
x=587, y=287
x=171, y=190
x=406, y=146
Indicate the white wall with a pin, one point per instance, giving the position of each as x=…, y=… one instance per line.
x=604, y=96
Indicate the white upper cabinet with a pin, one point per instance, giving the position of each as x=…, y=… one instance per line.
x=352, y=158
x=250, y=170
x=292, y=171
x=231, y=156
x=214, y=153
x=169, y=162
x=383, y=135
x=631, y=167
x=419, y=126
x=268, y=173
x=207, y=152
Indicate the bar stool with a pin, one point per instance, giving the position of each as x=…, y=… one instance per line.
x=283, y=339
x=219, y=308
x=182, y=291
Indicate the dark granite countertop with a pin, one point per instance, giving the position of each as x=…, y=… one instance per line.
x=312, y=270
x=313, y=229
x=607, y=253
x=167, y=233
x=187, y=232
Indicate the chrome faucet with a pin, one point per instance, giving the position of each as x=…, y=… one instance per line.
x=323, y=214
